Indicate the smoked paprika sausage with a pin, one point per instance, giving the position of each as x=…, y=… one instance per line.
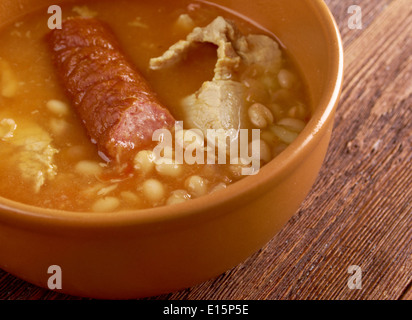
x=118, y=108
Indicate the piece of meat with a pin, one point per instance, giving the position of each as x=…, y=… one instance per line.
x=233, y=49
x=220, y=32
x=115, y=103
x=226, y=94
x=262, y=51
x=30, y=147
x=220, y=103
x=217, y=105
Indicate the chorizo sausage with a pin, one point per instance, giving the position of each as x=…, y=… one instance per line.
x=117, y=106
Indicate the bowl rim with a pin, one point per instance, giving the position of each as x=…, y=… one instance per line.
x=32, y=217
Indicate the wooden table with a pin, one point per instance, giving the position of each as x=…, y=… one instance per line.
x=359, y=212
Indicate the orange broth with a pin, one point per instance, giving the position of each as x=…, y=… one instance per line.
x=145, y=29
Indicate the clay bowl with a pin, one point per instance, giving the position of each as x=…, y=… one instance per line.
x=138, y=254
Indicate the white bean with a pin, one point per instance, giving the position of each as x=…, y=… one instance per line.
x=264, y=150
x=295, y=125
x=218, y=187
x=196, y=185
x=84, y=11
x=178, y=196
x=58, y=126
x=298, y=112
x=286, y=79
x=153, y=190
x=144, y=161
x=107, y=204
x=170, y=170
x=284, y=134
x=269, y=136
x=58, y=107
x=265, y=153
x=89, y=168
x=8, y=81
x=129, y=196
x=185, y=23
x=260, y=116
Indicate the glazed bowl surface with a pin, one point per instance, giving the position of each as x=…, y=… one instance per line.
x=148, y=252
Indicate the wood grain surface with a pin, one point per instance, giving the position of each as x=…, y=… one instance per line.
x=359, y=211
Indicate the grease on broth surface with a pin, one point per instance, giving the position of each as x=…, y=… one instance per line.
x=46, y=157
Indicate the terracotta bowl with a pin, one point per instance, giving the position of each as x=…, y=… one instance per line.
x=149, y=252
